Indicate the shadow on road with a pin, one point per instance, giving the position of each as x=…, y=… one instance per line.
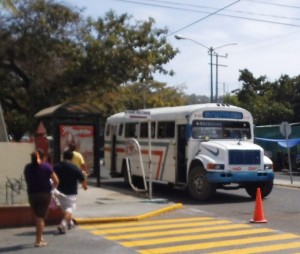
x=164, y=191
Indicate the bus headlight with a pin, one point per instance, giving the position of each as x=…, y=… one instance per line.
x=268, y=166
x=215, y=166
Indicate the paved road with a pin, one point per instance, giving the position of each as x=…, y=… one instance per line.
x=200, y=234
x=179, y=230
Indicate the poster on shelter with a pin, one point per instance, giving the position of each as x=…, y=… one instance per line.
x=82, y=137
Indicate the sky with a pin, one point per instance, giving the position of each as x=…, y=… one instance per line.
x=263, y=37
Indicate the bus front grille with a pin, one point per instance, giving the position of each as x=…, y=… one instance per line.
x=242, y=157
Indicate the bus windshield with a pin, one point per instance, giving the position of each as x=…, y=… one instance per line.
x=221, y=129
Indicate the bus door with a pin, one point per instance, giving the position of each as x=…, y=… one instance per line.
x=180, y=158
x=113, y=155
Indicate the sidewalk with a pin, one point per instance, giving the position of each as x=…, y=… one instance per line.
x=94, y=205
x=287, y=183
x=100, y=205
x=107, y=205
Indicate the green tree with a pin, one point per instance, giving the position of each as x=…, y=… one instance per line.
x=120, y=50
x=142, y=95
x=252, y=88
x=197, y=99
x=9, y=4
x=269, y=102
x=36, y=49
x=50, y=54
x=296, y=99
x=266, y=110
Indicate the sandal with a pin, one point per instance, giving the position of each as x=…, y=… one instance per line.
x=42, y=243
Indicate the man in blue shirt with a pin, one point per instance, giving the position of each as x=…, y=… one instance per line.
x=69, y=175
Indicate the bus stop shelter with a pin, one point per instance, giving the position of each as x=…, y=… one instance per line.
x=74, y=122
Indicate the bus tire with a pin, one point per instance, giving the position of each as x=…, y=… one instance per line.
x=198, y=186
x=265, y=189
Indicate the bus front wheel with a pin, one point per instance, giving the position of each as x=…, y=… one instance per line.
x=265, y=189
x=198, y=186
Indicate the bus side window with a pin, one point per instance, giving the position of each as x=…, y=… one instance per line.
x=161, y=130
x=152, y=130
x=107, y=131
x=166, y=129
x=170, y=133
x=131, y=130
x=120, y=131
x=144, y=130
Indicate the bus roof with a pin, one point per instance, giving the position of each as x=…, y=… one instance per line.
x=181, y=111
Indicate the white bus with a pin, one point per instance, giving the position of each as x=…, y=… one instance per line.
x=201, y=147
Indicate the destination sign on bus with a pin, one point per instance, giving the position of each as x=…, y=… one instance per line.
x=222, y=114
x=137, y=114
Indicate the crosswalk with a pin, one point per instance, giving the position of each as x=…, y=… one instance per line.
x=197, y=235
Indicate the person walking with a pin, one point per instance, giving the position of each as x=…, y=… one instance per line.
x=69, y=175
x=78, y=159
x=37, y=176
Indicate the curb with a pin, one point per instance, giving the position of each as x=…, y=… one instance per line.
x=287, y=185
x=21, y=215
x=82, y=221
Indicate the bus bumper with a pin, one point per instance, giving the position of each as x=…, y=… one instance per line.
x=240, y=177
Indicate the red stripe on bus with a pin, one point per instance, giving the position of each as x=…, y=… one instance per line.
x=145, y=152
x=157, y=153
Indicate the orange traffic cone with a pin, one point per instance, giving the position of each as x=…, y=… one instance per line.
x=259, y=210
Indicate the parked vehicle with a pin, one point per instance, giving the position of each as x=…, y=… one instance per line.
x=201, y=147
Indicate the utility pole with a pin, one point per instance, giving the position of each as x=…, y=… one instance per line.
x=211, y=50
x=217, y=74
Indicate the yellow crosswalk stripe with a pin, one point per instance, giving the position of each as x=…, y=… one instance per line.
x=142, y=223
x=200, y=234
x=175, y=232
x=261, y=249
x=196, y=237
x=163, y=227
x=209, y=245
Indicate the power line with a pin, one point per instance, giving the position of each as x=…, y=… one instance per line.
x=156, y=5
x=213, y=8
x=257, y=1
x=260, y=20
x=219, y=14
x=274, y=4
x=264, y=15
x=197, y=21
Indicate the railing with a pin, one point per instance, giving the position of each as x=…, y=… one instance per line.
x=133, y=148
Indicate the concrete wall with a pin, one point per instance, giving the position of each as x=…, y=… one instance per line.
x=13, y=158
